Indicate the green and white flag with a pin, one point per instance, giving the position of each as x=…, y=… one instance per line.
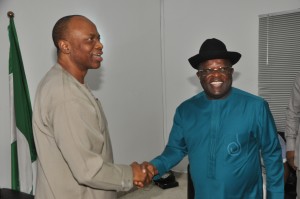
x=23, y=152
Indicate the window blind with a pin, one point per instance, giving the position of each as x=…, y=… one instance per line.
x=279, y=60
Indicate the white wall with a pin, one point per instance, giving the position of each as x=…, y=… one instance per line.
x=139, y=84
x=128, y=82
x=189, y=23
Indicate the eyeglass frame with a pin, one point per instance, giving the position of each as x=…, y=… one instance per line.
x=209, y=71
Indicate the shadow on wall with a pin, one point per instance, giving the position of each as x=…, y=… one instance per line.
x=93, y=77
x=54, y=54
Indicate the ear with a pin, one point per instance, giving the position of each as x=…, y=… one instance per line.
x=64, y=46
x=198, y=74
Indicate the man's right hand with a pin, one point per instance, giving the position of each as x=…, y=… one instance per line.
x=143, y=173
x=290, y=157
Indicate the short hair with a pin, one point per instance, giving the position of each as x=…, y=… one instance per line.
x=61, y=28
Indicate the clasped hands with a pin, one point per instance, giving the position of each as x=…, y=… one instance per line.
x=143, y=173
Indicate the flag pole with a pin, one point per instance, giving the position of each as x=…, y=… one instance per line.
x=23, y=152
x=10, y=14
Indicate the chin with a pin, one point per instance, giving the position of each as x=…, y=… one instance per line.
x=96, y=67
x=216, y=95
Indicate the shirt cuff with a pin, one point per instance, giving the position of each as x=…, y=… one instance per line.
x=127, y=179
x=290, y=145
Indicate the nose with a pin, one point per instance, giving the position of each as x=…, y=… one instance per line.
x=99, y=45
x=215, y=73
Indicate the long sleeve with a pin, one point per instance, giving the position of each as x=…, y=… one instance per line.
x=224, y=139
x=271, y=153
x=293, y=116
x=85, y=146
x=75, y=158
x=175, y=149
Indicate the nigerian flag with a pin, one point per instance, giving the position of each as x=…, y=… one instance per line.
x=23, y=153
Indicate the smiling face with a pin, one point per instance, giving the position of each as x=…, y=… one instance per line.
x=85, y=48
x=216, y=77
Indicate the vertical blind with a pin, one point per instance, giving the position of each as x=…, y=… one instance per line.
x=279, y=60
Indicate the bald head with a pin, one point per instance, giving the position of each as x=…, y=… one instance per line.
x=61, y=28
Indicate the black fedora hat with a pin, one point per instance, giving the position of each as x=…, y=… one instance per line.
x=213, y=49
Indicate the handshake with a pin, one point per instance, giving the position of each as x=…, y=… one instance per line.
x=143, y=173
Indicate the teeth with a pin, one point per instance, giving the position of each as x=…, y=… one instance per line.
x=216, y=83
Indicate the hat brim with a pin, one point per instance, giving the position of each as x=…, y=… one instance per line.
x=195, y=61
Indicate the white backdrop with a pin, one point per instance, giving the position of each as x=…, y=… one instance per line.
x=189, y=23
x=128, y=82
x=145, y=74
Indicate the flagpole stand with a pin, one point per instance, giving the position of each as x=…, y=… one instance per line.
x=10, y=14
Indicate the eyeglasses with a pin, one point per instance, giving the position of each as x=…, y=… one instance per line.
x=209, y=71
